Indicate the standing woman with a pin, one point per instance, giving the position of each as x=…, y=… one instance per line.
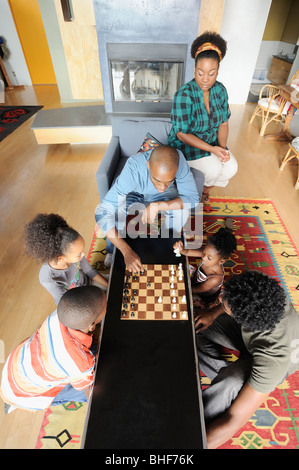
x=200, y=114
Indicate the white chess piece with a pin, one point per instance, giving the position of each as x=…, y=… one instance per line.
x=171, y=285
x=184, y=315
x=174, y=300
x=174, y=315
x=177, y=252
x=184, y=299
x=160, y=300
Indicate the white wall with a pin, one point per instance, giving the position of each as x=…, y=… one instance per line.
x=15, y=63
x=243, y=27
x=267, y=50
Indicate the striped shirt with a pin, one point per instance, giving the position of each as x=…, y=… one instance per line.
x=40, y=367
x=190, y=116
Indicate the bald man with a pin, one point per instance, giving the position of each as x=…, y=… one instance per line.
x=159, y=180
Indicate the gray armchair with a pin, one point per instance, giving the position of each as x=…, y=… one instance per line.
x=127, y=136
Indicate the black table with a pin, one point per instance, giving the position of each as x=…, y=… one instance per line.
x=147, y=389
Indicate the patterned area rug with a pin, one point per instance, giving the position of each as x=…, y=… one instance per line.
x=263, y=244
x=11, y=117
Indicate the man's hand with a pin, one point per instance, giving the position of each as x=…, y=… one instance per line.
x=202, y=320
x=149, y=214
x=132, y=260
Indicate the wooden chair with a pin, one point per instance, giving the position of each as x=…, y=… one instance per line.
x=291, y=153
x=271, y=106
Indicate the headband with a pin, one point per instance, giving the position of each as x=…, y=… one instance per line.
x=208, y=46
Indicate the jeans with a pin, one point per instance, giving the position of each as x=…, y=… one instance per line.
x=174, y=219
x=69, y=393
x=227, y=378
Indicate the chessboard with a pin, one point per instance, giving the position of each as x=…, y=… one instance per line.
x=157, y=293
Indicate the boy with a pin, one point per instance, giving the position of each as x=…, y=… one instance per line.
x=55, y=364
x=256, y=318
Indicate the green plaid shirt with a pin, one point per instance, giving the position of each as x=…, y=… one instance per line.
x=190, y=116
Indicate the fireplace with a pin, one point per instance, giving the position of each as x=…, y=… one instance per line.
x=144, y=77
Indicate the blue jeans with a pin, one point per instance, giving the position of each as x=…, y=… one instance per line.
x=67, y=394
x=174, y=219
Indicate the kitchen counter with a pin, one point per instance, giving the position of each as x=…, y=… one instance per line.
x=283, y=57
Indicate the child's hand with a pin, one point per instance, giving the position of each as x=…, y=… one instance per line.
x=178, y=246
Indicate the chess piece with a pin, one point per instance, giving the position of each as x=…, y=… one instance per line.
x=160, y=300
x=184, y=315
x=177, y=252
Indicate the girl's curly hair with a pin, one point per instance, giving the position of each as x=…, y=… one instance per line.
x=256, y=300
x=48, y=236
x=215, y=39
x=224, y=241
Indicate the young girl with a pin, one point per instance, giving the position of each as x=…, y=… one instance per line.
x=208, y=278
x=50, y=240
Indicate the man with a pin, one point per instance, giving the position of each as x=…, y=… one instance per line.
x=56, y=364
x=256, y=318
x=159, y=180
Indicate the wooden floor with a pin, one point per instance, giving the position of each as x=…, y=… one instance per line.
x=61, y=179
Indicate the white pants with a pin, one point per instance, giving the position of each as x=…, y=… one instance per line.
x=217, y=173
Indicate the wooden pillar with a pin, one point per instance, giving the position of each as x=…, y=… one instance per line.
x=210, y=16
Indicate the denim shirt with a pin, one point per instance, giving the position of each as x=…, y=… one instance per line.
x=135, y=178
